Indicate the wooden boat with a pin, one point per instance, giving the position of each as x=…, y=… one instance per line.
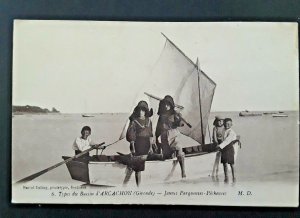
x=248, y=113
x=107, y=171
x=279, y=115
x=87, y=115
x=192, y=91
x=18, y=113
x=266, y=113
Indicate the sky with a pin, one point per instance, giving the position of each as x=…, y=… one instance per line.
x=98, y=67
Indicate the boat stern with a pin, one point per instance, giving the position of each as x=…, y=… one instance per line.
x=78, y=169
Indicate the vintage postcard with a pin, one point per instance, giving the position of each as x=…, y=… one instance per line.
x=177, y=113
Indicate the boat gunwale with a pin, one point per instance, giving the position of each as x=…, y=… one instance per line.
x=151, y=161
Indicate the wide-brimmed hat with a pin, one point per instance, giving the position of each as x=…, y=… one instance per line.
x=219, y=118
x=166, y=100
x=169, y=100
x=141, y=105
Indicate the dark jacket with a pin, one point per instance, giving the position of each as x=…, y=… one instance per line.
x=139, y=132
x=141, y=105
x=166, y=122
x=167, y=119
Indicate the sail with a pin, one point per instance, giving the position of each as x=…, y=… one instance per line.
x=176, y=75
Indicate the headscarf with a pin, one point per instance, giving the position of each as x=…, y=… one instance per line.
x=142, y=105
x=217, y=118
x=162, y=105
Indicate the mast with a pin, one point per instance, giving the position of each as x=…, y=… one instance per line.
x=200, y=105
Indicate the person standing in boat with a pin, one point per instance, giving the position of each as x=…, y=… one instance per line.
x=83, y=142
x=140, y=136
x=166, y=131
x=218, y=137
x=229, y=148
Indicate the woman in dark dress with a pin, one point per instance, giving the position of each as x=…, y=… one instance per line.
x=167, y=132
x=139, y=134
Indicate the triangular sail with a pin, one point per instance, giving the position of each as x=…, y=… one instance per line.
x=176, y=75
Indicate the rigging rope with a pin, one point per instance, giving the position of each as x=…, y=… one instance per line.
x=109, y=145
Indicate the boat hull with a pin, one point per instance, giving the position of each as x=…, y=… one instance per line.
x=249, y=114
x=113, y=173
x=78, y=169
x=84, y=115
x=279, y=115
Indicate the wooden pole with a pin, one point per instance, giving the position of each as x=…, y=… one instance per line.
x=35, y=175
x=201, y=122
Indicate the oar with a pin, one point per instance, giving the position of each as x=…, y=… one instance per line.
x=186, y=122
x=35, y=175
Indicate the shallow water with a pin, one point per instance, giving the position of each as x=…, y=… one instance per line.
x=270, y=150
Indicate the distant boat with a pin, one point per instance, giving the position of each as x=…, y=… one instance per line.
x=248, y=113
x=279, y=115
x=18, y=113
x=87, y=115
x=266, y=113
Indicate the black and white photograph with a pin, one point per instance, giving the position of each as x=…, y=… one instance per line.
x=163, y=113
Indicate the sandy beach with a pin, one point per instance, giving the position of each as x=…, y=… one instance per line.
x=268, y=158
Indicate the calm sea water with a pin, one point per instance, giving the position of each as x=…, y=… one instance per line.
x=270, y=146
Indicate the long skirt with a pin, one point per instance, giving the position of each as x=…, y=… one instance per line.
x=142, y=146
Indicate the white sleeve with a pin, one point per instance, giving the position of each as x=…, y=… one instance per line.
x=81, y=145
x=91, y=141
x=231, y=136
x=74, y=146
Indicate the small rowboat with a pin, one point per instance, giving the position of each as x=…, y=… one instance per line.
x=279, y=115
x=108, y=171
x=266, y=113
x=87, y=115
x=248, y=113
